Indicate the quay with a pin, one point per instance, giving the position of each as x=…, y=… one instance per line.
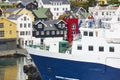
x=14, y=52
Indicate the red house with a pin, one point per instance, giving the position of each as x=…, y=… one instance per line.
x=72, y=26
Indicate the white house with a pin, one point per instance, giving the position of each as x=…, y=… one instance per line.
x=100, y=12
x=24, y=30
x=57, y=7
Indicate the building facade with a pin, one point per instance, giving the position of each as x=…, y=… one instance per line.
x=51, y=30
x=57, y=7
x=24, y=29
x=72, y=29
x=7, y=34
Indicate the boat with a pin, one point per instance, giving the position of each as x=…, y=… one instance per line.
x=94, y=54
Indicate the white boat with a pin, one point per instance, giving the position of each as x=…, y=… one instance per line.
x=95, y=55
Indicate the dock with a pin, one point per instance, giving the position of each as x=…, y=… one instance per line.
x=15, y=52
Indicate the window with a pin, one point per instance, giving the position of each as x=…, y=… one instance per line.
x=63, y=25
x=29, y=25
x=73, y=26
x=59, y=25
x=73, y=32
x=111, y=49
x=37, y=32
x=25, y=18
x=58, y=32
x=10, y=32
x=79, y=47
x=85, y=33
x=48, y=32
x=102, y=13
x=90, y=48
x=39, y=25
x=25, y=25
x=57, y=14
x=57, y=9
x=118, y=19
x=1, y=33
x=61, y=32
x=1, y=25
x=101, y=49
x=42, y=32
x=90, y=33
x=106, y=13
x=10, y=24
x=20, y=25
x=54, y=9
x=53, y=32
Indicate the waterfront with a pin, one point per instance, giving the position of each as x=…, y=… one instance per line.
x=11, y=68
x=11, y=65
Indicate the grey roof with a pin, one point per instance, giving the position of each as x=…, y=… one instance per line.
x=24, y=2
x=11, y=9
x=49, y=1
x=14, y=17
x=49, y=25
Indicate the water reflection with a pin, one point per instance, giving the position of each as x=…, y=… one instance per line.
x=12, y=68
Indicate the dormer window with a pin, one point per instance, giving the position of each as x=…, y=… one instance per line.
x=59, y=25
x=39, y=25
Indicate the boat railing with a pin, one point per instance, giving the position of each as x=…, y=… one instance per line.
x=114, y=41
x=41, y=46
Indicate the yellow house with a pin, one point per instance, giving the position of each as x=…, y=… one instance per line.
x=7, y=34
x=18, y=11
x=102, y=1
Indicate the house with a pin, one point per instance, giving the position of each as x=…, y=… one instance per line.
x=51, y=30
x=18, y=11
x=42, y=14
x=57, y=7
x=24, y=29
x=72, y=29
x=7, y=34
x=28, y=4
x=80, y=13
x=103, y=12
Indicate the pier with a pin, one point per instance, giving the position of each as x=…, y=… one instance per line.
x=12, y=53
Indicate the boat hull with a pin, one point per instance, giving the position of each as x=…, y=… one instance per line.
x=62, y=69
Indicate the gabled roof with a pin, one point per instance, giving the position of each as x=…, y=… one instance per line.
x=50, y=1
x=50, y=24
x=25, y=2
x=40, y=12
x=14, y=17
x=11, y=9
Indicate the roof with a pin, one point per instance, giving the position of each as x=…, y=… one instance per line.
x=64, y=16
x=14, y=17
x=25, y=2
x=49, y=1
x=49, y=25
x=40, y=12
x=11, y=9
x=6, y=4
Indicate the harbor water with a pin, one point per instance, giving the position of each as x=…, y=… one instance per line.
x=11, y=68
